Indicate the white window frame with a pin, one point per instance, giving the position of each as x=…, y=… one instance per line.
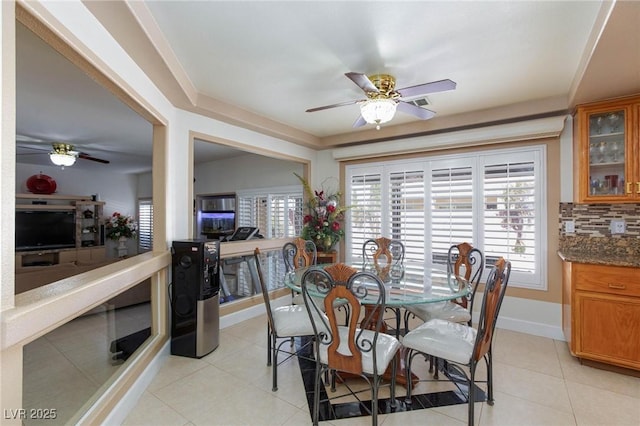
x=477, y=160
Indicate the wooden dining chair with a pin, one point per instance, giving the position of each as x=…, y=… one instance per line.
x=283, y=322
x=298, y=254
x=465, y=261
x=360, y=348
x=301, y=253
x=460, y=345
x=385, y=257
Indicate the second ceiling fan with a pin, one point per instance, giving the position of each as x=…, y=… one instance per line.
x=61, y=153
x=383, y=99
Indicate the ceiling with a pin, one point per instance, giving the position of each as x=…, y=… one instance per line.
x=262, y=64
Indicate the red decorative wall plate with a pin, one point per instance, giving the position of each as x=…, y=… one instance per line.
x=41, y=184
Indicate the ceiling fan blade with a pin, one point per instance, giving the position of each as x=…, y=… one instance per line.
x=86, y=156
x=333, y=106
x=421, y=113
x=42, y=150
x=25, y=138
x=363, y=82
x=427, y=88
x=359, y=122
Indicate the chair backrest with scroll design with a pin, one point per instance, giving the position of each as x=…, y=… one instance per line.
x=383, y=255
x=299, y=253
x=343, y=282
x=466, y=261
x=494, y=291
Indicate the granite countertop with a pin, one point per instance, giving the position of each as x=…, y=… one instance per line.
x=600, y=251
x=599, y=258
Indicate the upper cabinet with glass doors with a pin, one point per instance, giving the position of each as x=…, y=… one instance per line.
x=606, y=153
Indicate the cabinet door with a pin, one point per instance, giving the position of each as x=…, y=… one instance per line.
x=606, y=169
x=608, y=327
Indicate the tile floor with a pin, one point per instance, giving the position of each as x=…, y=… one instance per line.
x=537, y=382
x=64, y=368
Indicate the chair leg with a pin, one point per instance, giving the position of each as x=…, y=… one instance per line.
x=316, y=394
x=472, y=393
x=275, y=363
x=268, y=345
x=436, y=374
x=397, y=310
x=394, y=367
x=333, y=380
x=407, y=373
x=489, y=377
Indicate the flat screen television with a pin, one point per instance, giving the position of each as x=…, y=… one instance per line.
x=42, y=229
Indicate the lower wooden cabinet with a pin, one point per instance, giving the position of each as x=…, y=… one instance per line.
x=324, y=257
x=601, y=313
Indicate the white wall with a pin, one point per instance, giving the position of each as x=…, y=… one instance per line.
x=244, y=172
x=117, y=190
x=566, y=162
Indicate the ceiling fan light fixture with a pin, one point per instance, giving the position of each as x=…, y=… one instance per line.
x=62, y=159
x=378, y=110
x=62, y=155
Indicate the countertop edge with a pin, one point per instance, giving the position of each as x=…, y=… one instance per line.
x=597, y=259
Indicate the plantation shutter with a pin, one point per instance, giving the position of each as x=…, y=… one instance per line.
x=145, y=225
x=451, y=210
x=510, y=214
x=407, y=214
x=494, y=200
x=365, y=194
x=277, y=212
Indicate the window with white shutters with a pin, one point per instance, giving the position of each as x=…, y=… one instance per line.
x=495, y=200
x=451, y=209
x=277, y=212
x=407, y=216
x=365, y=218
x=145, y=225
x=512, y=214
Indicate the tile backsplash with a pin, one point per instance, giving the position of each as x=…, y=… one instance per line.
x=594, y=219
x=592, y=231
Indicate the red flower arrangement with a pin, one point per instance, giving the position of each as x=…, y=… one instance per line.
x=119, y=225
x=323, y=217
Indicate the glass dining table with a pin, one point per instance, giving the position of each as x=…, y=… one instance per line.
x=404, y=285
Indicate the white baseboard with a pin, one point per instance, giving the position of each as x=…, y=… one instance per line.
x=120, y=412
x=243, y=315
x=529, y=316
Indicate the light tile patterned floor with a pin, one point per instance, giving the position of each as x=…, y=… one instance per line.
x=537, y=382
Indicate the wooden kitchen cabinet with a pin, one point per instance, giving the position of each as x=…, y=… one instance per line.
x=601, y=313
x=606, y=152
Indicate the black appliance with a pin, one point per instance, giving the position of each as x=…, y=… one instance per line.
x=244, y=233
x=215, y=216
x=195, y=298
x=45, y=229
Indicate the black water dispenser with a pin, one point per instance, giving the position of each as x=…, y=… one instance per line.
x=195, y=297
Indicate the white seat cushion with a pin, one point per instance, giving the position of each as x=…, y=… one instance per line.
x=443, y=339
x=440, y=310
x=291, y=321
x=386, y=348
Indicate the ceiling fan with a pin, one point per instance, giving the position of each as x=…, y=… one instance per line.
x=61, y=154
x=383, y=99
